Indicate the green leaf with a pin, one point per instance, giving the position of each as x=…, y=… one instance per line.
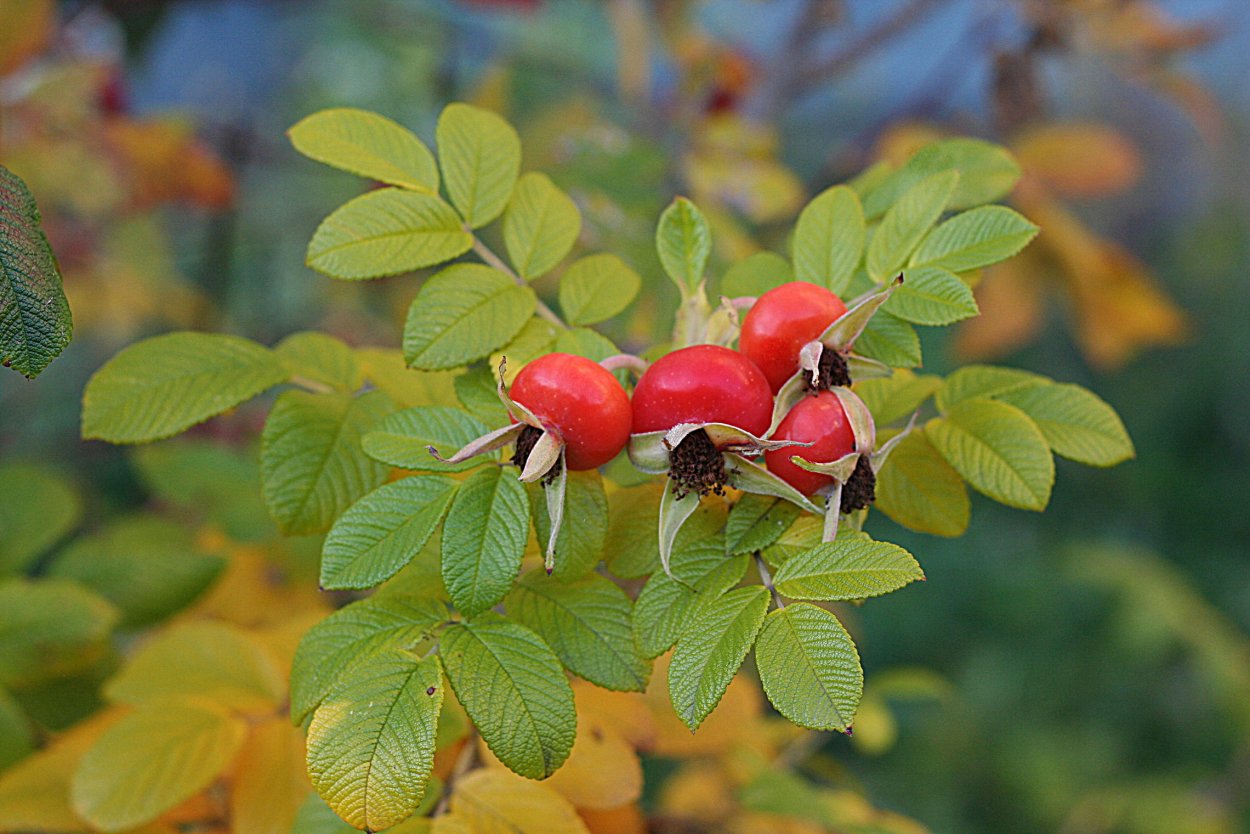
x=17, y=735
x=596, y=288
x=462, y=314
x=755, y=275
x=918, y=489
x=50, y=628
x=757, y=521
x=540, y=227
x=35, y=321
x=805, y=533
x=387, y=232
x=587, y=623
x=161, y=386
x=320, y=358
x=972, y=381
x=998, y=450
x=582, y=341
x=154, y=759
x=986, y=173
x=710, y=651
x=371, y=742
x=907, y=222
x=367, y=144
x=478, y=392
x=312, y=466
x=357, y=633
x=895, y=397
x=403, y=439
x=536, y=338
x=407, y=387
x=480, y=155
x=1075, y=422
x=382, y=531
x=931, y=295
x=208, y=479
x=212, y=660
x=579, y=546
x=829, y=239
x=890, y=340
x=632, y=548
x=484, y=538
x=316, y=817
x=809, y=667
x=37, y=509
x=975, y=239
x=148, y=567
x=684, y=243
x=847, y=569
x=513, y=687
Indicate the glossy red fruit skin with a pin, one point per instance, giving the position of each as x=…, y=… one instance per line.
x=702, y=384
x=781, y=321
x=821, y=421
x=582, y=401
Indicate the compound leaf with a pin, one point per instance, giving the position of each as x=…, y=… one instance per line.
x=907, y=222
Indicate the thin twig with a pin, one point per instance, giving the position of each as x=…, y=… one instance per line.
x=767, y=579
x=484, y=252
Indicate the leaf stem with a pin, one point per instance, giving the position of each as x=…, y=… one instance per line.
x=767, y=579
x=484, y=252
x=310, y=384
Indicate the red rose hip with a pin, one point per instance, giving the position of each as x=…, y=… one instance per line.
x=702, y=384
x=821, y=421
x=581, y=402
x=781, y=321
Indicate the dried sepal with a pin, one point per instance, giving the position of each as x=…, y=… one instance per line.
x=496, y=439
x=749, y=476
x=861, y=367
x=833, y=512
x=839, y=469
x=554, y=491
x=790, y=394
x=674, y=512
x=546, y=453
x=847, y=327
x=860, y=418
x=879, y=457
x=648, y=452
x=726, y=438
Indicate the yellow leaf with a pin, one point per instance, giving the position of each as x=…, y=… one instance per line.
x=700, y=792
x=627, y=712
x=154, y=759
x=271, y=782
x=25, y=26
x=166, y=163
x=735, y=717
x=406, y=386
x=1010, y=297
x=875, y=728
x=900, y=143
x=495, y=801
x=450, y=824
x=602, y=771
x=1078, y=159
x=628, y=819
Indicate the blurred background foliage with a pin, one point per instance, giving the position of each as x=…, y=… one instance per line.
x=1086, y=670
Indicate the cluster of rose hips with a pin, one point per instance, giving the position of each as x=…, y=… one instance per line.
x=703, y=414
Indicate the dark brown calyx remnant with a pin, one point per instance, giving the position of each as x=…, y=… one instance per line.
x=697, y=466
x=833, y=371
x=521, y=452
x=860, y=489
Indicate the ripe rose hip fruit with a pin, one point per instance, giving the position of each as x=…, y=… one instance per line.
x=702, y=384
x=578, y=400
x=821, y=421
x=781, y=321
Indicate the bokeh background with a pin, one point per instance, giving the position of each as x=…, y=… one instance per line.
x=1085, y=670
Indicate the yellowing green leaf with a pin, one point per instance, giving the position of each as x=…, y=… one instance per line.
x=153, y=759
x=918, y=489
x=161, y=386
x=406, y=386
x=684, y=243
x=462, y=314
x=805, y=533
x=540, y=226
x=809, y=667
x=403, y=439
x=829, y=239
x=480, y=155
x=891, y=340
x=484, y=538
x=596, y=288
x=494, y=801
x=931, y=295
x=907, y=222
x=387, y=232
x=846, y=569
x=755, y=275
x=975, y=239
x=367, y=144
x=998, y=450
x=371, y=742
x=37, y=508
x=973, y=381
x=756, y=521
x=50, y=628
x=579, y=546
x=602, y=770
x=897, y=396
x=271, y=781
x=1076, y=423
x=321, y=359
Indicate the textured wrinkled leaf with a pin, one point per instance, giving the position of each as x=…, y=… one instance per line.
x=512, y=685
x=931, y=295
x=371, y=742
x=986, y=173
x=357, y=633
x=710, y=651
x=35, y=320
x=37, y=508
x=997, y=449
x=537, y=336
x=890, y=340
x=312, y=465
x=462, y=314
x=587, y=623
x=478, y=392
x=829, y=239
x=213, y=660
x=367, y=144
x=906, y=223
x=973, y=381
x=756, y=521
x=322, y=359
x=897, y=396
x=596, y=288
x=271, y=782
x=484, y=538
x=540, y=226
x=809, y=667
x=1075, y=422
x=684, y=243
x=480, y=155
x=494, y=801
x=383, y=531
x=153, y=759
x=975, y=239
x=161, y=386
x=50, y=628
x=755, y=275
x=846, y=569
x=632, y=548
x=406, y=386
x=805, y=533
x=579, y=546
x=387, y=232
x=918, y=489
x=403, y=439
